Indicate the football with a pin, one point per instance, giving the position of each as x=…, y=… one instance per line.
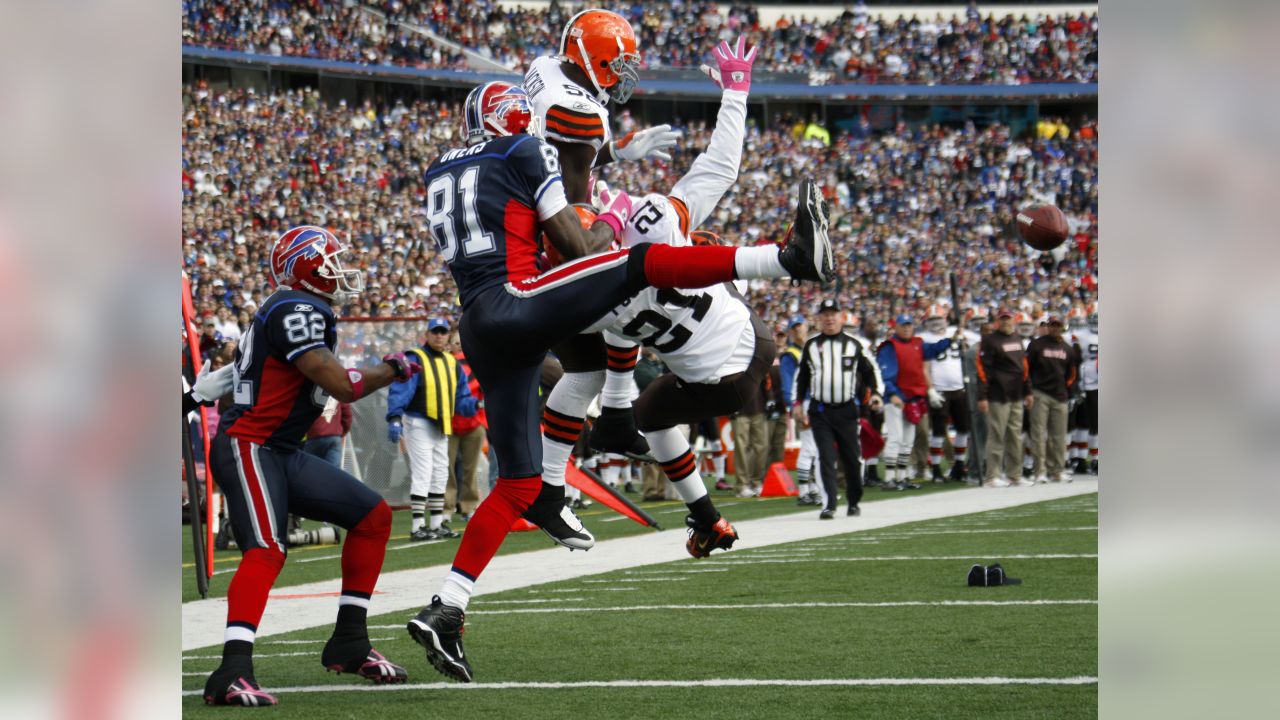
x=1043, y=227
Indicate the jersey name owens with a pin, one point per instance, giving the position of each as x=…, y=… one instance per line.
x=483, y=206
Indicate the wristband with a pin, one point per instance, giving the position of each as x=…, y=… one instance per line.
x=357, y=384
x=613, y=222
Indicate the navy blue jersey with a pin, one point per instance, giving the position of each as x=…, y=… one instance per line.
x=484, y=204
x=275, y=403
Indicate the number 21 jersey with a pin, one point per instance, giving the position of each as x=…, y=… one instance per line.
x=275, y=404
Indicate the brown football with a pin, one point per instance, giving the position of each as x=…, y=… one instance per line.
x=1043, y=227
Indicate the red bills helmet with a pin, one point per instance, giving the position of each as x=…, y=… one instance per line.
x=306, y=258
x=496, y=109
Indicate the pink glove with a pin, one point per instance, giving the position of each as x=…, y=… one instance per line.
x=616, y=210
x=402, y=366
x=735, y=67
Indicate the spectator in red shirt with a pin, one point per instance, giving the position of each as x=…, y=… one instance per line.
x=324, y=438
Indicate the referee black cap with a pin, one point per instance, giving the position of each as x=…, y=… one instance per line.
x=829, y=304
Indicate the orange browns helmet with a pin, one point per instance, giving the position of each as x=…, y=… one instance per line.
x=603, y=44
x=705, y=237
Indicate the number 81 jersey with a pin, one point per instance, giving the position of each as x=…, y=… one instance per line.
x=275, y=404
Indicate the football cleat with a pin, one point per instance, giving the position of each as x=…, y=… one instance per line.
x=424, y=534
x=806, y=254
x=445, y=533
x=827, y=515
x=438, y=629
x=853, y=511
x=370, y=666
x=615, y=432
x=1023, y=482
x=996, y=482
x=560, y=524
x=958, y=471
x=703, y=539
x=226, y=687
x=935, y=472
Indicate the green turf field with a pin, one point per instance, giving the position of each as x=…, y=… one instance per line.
x=320, y=562
x=873, y=624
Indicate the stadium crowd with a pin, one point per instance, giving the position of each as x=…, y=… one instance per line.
x=908, y=205
x=855, y=47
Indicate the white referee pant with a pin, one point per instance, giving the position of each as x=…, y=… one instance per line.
x=428, y=455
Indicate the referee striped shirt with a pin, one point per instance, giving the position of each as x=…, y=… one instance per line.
x=835, y=369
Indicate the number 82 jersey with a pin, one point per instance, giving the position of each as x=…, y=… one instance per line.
x=275, y=404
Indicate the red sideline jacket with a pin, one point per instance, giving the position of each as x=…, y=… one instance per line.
x=463, y=425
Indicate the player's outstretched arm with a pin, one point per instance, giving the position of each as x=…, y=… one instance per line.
x=350, y=384
x=565, y=230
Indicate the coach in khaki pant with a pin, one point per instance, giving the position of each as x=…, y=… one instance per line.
x=750, y=444
x=1003, y=389
x=1052, y=364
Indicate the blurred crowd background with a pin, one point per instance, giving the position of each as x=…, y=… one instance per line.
x=991, y=47
x=909, y=205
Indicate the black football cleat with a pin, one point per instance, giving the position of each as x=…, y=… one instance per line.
x=236, y=686
x=424, y=534
x=359, y=658
x=438, y=629
x=705, y=538
x=1093, y=468
x=615, y=432
x=806, y=254
x=870, y=476
x=550, y=513
x=827, y=515
x=853, y=511
x=958, y=472
x=444, y=532
x=935, y=472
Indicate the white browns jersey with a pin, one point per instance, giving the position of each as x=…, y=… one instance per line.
x=947, y=372
x=567, y=112
x=1088, y=342
x=701, y=335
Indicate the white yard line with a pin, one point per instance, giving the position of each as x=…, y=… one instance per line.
x=318, y=642
x=749, y=560
x=408, y=590
x=692, y=571
x=785, y=606
x=673, y=578
x=718, y=682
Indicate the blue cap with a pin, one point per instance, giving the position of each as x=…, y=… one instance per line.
x=795, y=321
x=905, y=319
x=437, y=323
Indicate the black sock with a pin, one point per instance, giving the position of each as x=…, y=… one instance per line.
x=703, y=511
x=237, y=652
x=351, y=622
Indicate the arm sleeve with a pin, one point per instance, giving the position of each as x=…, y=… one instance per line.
x=787, y=372
x=344, y=411
x=980, y=360
x=572, y=125
x=465, y=404
x=887, y=359
x=803, y=376
x=399, y=395
x=715, y=170
x=538, y=165
x=869, y=373
x=935, y=350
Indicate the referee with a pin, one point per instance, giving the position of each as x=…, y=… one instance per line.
x=836, y=373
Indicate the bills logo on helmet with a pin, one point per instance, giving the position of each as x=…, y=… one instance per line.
x=309, y=244
x=511, y=99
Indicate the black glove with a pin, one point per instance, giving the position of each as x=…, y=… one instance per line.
x=615, y=432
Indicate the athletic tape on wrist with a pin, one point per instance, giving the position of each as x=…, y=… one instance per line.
x=357, y=384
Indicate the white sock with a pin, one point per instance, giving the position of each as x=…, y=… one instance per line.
x=718, y=462
x=610, y=473
x=418, y=508
x=668, y=446
x=570, y=398
x=236, y=632
x=456, y=590
x=758, y=262
x=435, y=506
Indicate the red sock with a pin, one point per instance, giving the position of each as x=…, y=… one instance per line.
x=364, y=549
x=688, y=267
x=247, y=593
x=488, y=527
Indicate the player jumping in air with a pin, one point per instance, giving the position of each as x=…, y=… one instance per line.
x=512, y=314
x=714, y=345
x=284, y=373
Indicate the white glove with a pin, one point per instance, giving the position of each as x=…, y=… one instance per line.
x=598, y=191
x=212, y=385
x=645, y=144
x=935, y=399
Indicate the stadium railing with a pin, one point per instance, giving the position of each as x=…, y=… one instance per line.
x=655, y=84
